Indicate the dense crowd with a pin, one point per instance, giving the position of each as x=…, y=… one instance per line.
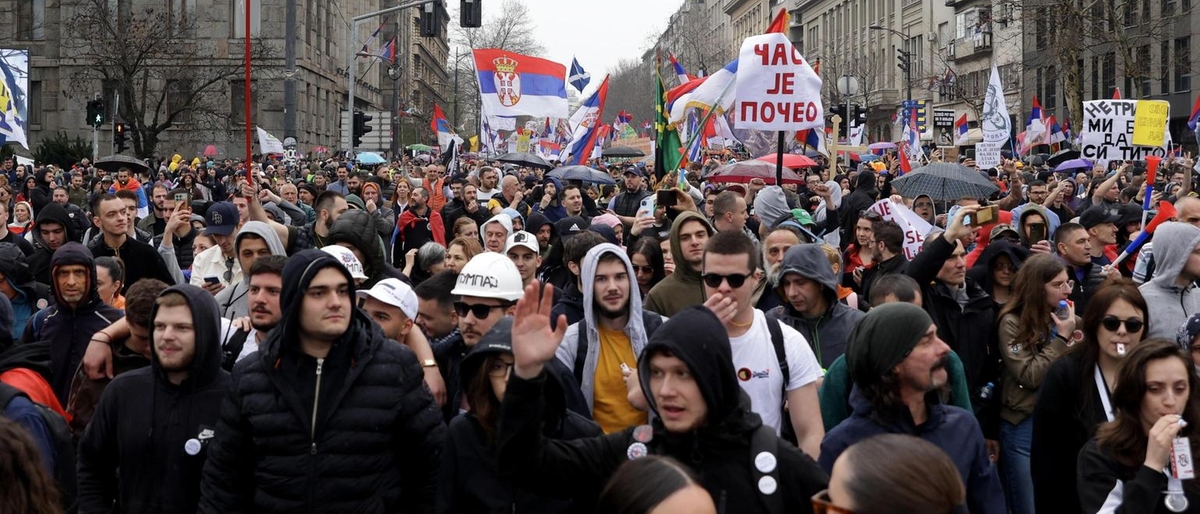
x=323, y=336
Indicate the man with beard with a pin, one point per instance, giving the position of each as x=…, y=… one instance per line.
x=354, y=183
x=156, y=223
x=466, y=204
x=488, y=179
x=898, y=363
x=417, y=225
x=266, y=282
x=887, y=243
x=572, y=201
x=77, y=192
x=340, y=186
x=609, y=339
x=124, y=181
x=775, y=244
x=809, y=289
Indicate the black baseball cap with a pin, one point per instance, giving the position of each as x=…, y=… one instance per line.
x=1096, y=216
x=570, y=226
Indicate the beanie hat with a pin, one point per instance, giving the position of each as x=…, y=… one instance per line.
x=370, y=185
x=771, y=203
x=883, y=338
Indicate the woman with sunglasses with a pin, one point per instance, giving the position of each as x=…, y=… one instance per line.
x=1127, y=466
x=1075, y=397
x=914, y=476
x=1031, y=337
x=469, y=479
x=647, y=259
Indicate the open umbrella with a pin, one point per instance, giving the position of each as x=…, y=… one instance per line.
x=420, y=147
x=622, y=151
x=885, y=145
x=745, y=171
x=1062, y=156
x=944, y=181
x=868, y=157
x=214, y=151
x=370, y=158
x=112, y=163
x=525, y=159
x=582, y=173
x=1074, y=164
x=790, y=160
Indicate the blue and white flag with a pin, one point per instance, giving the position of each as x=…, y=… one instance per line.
x=578, y=78
x=14, y=115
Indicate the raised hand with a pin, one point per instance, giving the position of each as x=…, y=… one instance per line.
x=533, y=341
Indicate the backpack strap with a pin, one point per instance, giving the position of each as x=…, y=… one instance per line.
x=581, y=345
x=764, y=461
x=780, y=353
x=233, y=348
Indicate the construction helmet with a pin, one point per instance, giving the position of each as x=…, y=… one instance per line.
x=490, y=275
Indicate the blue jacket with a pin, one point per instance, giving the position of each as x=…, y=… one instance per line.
x=952, y=429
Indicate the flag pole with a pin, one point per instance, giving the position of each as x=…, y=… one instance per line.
x=779, y=160
x=246, y=94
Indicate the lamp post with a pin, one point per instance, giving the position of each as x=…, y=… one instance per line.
x=847, y=86
x=905, y=63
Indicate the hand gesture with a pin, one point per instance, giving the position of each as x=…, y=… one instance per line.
x=410, y=257
x=823, y=191
x=1041, y=247
x=757, y=184
x=518, y=196
x=179, y=217
x=371, y=206
x=725, y=308
x=546, y=199
x=1158, y=441
x=533, y=341
x=641, y=223
x=470, y=207
x=683, y=202
x=633, y=388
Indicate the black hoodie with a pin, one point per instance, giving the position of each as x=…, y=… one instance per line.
x=719, y=451
x=864, y=195
x=137, y=450
x=354, y=227
x=377, y=434
x=39, y=261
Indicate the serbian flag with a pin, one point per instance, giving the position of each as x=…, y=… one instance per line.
x=1035, y=127
x=905, y=166
x=1056, y=132
x=1116, y=94
x=684, y=78
x=389, y=51
x=511, y=84
x=1195, y=117
x=588, y=126
x=960, y=131
x=441, y=127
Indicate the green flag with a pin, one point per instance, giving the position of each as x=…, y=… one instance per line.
x=667, y=146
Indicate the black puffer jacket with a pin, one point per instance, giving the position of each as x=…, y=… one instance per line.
x=378, y=433
x=355, y=228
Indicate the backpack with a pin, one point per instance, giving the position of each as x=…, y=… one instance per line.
x=232, y=348
x=64, y=445
x=650, y=320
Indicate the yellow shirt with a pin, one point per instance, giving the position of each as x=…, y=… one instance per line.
x=610, y=408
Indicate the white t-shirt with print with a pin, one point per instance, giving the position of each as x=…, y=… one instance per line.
x=757, y=368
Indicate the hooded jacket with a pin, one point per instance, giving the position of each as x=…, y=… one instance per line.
x=981, y=272
x=718, y=450
x=31, y=296
x=1172, y=304
x=378, y=432
x=863, y=195
x=39, y=261
x=67, y=329
x=470, y=480
x=133, y=452
x=40, y=196
x=354, y=228
x=682, y=288
x=233, y=301
x=553, y=212
x=828, y=332
x=635, y=328
x=1022, y=213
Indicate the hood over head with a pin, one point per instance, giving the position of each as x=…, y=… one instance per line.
x=696, y=337
x=356, y=228
x=865, y=182
x=558, y=187
x=1173, y=242
x=14, y=266
x=981, y=272
x=298, y=273
x=682, y=268
x=634, y=327
x=513, y=215
x=53, y=213
x=206, y=323
x=536, y=221
x=264, y=232
x=809, y=261
x=771, y=204
x=1022, y=216
x=503, y=219
x=74, y=253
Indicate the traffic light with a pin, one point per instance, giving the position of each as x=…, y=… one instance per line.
x=905, y=59
x=859, y=113
x=95, y=113
x=470, y=14
x=431, y=22
x=119, y=137
x=360, y=127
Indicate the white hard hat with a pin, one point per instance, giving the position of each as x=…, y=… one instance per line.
x=347, y=259
x=490, y=275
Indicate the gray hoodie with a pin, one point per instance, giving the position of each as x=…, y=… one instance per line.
x=233, y=301
x=827, y=333
x=1171, y=304
x=635, y=329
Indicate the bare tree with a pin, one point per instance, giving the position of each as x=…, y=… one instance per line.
x=631, y=88
x=164, y=74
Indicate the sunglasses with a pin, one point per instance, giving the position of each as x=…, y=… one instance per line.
x=736, y=280
x=480, y=310
x=1113, y=323
x=821, y=504
x=639, y=269
x=869, y=214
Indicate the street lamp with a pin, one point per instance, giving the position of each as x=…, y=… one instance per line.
x=906, y=62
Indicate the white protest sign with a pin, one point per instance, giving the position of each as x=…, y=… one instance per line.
x=915, y=228
x=1107, y=133
x=987, y=154
x=776, y=88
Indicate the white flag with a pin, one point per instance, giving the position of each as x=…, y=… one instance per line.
x=268, y=144
x=996, y=125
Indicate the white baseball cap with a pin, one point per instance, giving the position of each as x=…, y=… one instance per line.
x=396, y=293
x=522, y=238
x=347, y=259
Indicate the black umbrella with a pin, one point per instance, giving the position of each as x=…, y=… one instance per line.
x=622, y=151
x=112, y=163
x=582, y=173
x=1061, y=156
x=944, y=181
x=525, y=159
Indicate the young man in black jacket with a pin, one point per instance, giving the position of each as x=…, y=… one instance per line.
x=703, y=419
x=328, y=415
x=145, y=446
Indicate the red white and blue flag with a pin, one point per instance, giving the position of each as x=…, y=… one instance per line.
x=1056, y=132
x=1035, y=127
x=389, y=51
x=441, y=127
x=960, y=131
x=587, y=123
x=684, y=78
x=1194, y=119
x=512, y=84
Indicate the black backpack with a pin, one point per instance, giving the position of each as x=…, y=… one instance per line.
x=233, y=348
x=64, y=445
x=651, y=320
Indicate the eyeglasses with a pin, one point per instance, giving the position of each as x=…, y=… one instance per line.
x=1068, y=285
x=1006, y=266
x=1112, y=323
x=499, y=368
x=735, y=280
x=823, y=505
x=480, y=310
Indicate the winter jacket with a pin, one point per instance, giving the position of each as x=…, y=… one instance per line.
x=1066, y=416
x=981, y=272
x=952, y=429
x=354, y=227
x=454, y=210
x=571, y=304
x=827, y=333
x=234, y=301
x=1106, y=485
x=142, y=260
x=377, y=434
x=553, y=212
x=683, y=287
x=1025, y=366
x=39, y=261
x=134, y=451
x=68, y=328
x=894, y=266
x=1172, y=304
x=719, y=451
x=40, y=196
x=1087, y=280
x=834, y=393
x=31, y=296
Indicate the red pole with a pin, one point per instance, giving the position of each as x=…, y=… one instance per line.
x=246, y=94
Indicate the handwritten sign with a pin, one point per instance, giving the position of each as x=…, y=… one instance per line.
x=776, y=87
x=987, y=154
x=1150, y=122
x=1108, y=130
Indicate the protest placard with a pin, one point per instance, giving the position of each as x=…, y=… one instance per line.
x=776, y=88
x=987, y=154
x=1107, y=134
x=915, y=228
x=1150, y=122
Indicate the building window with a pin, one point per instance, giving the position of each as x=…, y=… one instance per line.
x=1143, y=68
x=31, y=19
x=238, y=11
x=1110, y=74
x=178, y=102
x=1131, y=13
x=182, y=12
x=237, y=102
x=1183, y=63
x=1051, y=98
x=1164, y=69
x=1168, y=7
x=34, y=102
x=1096, y=78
